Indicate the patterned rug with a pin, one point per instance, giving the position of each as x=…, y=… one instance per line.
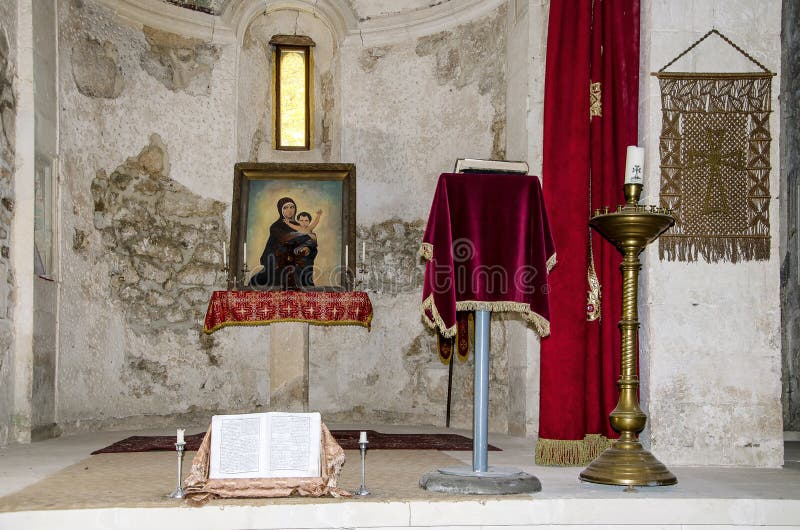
x=347, y=439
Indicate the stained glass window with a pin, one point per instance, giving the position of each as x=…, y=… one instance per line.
x=292, y=92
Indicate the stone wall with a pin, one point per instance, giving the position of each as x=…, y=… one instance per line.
x=710, y=337
x=790, y=193
x=8, y=112
x=147, y=155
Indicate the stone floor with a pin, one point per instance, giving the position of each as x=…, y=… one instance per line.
x=57, y=481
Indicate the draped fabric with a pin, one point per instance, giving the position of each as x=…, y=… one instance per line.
x=583, y=169
x=259, y=308
x=488, y=247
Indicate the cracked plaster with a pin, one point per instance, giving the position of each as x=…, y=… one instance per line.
x=95, y=69
x=404, y=113
x=179, y=63
x=163, y=242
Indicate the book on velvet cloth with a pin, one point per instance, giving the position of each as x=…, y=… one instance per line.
x=479, y=165
x=265, y=445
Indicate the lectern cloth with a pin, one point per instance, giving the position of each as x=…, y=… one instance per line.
x=487, y=246
x=199, y=488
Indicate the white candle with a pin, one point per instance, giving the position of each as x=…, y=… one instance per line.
x=224, y=255
x=634, y=165
x=180, y=436
x=346, y=257
x=245, y=252
x=362, y=439
x=363, y=251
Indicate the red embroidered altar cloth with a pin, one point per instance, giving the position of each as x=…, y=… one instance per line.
x=488, y=247
x=253, y=308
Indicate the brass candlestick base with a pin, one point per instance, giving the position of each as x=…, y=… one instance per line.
x=626, y=463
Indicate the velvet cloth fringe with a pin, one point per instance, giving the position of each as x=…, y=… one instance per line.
x=570, y=452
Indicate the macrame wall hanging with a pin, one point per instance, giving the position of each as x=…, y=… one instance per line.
x=715, y=165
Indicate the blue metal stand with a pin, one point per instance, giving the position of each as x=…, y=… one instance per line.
x=480, y=410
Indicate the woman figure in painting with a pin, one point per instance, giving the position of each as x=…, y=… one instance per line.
x=288, y=257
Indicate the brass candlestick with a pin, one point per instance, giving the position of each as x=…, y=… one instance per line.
x=626, y=463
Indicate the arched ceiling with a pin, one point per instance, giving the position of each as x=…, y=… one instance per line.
x=370, y=21
x=361, y=9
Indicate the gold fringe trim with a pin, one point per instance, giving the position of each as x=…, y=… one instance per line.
x=540, y=324
x=713, y=248
x=551, y=262
x=364, y=323
x=426, y=251
x=437, y=322
x=570, y=452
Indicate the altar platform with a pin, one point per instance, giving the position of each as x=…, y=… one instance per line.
x=57, y=484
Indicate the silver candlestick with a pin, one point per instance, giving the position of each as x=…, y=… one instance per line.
x=363, y=489
x=178, y=493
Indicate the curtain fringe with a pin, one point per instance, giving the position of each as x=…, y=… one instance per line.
x=730, y=249
x=551, y=452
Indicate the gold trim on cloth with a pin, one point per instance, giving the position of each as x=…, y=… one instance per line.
x=551, y=262
x=593, y=309
x=367, y=324
x=437, y=322
x=570, y=452
x=426, y=251
x=540, y=324
x=595, y=100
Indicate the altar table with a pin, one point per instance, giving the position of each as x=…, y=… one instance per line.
x=292, y=311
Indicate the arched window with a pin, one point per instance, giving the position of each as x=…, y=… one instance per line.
x=293, y=92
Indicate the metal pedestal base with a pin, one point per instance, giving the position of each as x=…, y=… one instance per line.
x=493, y=481
x=480, y=479
x=628, y=464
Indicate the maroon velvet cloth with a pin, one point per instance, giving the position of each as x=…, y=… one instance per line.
x=580, y=361
x=488, y=246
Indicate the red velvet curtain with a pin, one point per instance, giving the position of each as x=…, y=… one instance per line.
x=583, y=167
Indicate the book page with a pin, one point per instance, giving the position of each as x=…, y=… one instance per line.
x=294, y=442
x=237, y=442
x=265, y=445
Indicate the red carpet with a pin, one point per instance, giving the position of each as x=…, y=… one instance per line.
x=347, y=439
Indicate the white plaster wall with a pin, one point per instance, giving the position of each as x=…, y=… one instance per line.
x=21, y=241
x=402, y=128
x=98, y=345
x=710, y=346
x=8, y=24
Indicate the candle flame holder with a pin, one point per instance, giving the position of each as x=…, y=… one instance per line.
x=626, y=463
x=362, y=491
x=178, y=493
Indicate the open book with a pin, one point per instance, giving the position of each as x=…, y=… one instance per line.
x=265, y=445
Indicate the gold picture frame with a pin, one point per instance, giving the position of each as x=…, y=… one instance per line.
x=308, y=247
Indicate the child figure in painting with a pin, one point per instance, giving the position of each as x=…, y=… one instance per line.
x=306, y=225
x=306, y=250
